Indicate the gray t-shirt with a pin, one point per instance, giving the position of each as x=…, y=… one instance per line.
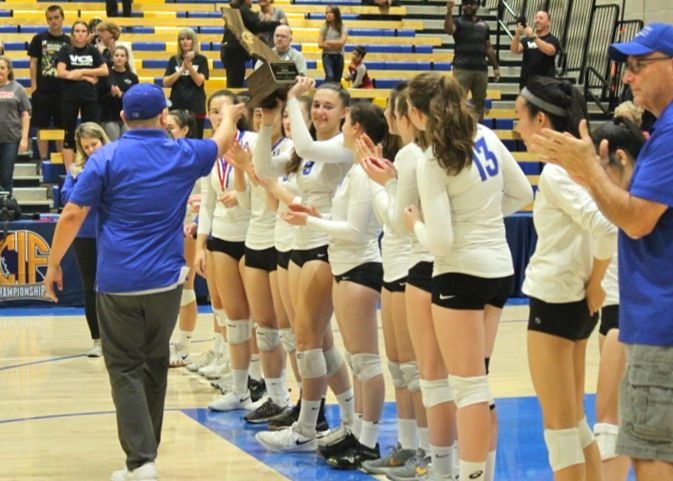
x=277, y=15
x=331, y=33
x=292, y=55
x=13, y=102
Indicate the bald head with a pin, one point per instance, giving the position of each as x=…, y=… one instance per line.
x=282, y=38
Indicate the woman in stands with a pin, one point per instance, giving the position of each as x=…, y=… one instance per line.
x=323, y=166
x=186, y=75
x=232, y=53
x=467, y=181
x=108, y=34
x=332, y=38
x=15, y=111
x=121, y=79
x=563, y=280
x=269, y=13
x=624, y=141
x=81, y=67
x=89, y=137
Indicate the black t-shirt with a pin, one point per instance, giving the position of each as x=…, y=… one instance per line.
x=45, y=47
x=535, y=62
x=111, y=105
x=76, y=58
x=185, y=94
x=470, y=39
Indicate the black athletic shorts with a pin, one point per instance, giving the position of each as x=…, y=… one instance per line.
x=265, y=259
x=454, y=290
x=301, y=257
x=569, y=320
x=46, y=111
x=420, y=276
x=398, y=285
x=609, y=319
x=284, y=259
x=232, y=249
x=369, y=274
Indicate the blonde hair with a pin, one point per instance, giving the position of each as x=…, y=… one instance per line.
x=631, y=111
x=87, y=130
x=111, y=27
x=188, y=32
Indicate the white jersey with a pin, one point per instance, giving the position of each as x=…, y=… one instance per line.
x=402, y=193
x=571, y=231
x=353, y=228
x=263, y=218
x=226, y=223
x=284, y=233
x=463, y=213
x=324, y=165
x=611, y=283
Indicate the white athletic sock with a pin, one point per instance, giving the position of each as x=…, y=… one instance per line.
x=255, y=368
x=424, y=439
x=357, y=425
x=369, y=433
x=441, y=459
x=275, y=386
x=347, y=405
x=490, y=466
x=472, y=471
x=406, y=433
x=217, y=342
x=455, y=459
x=240, y=381
x=308, y=416
x=185, y=338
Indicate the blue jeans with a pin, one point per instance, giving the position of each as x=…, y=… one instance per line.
x=333, y=63
x=9, y=151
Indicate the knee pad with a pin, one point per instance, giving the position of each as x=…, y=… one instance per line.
x=470, y=390
x=188, y=296
x=606, y=438
x=220, y=317
x=288, y=340
x=267, y=338
x=239, y=332
x=564, y=446
x=396, y=375
x=311, y=364
x=412, y=377
x=435, y=392
x=333, y=360
x=586, y=435
x=366, y=366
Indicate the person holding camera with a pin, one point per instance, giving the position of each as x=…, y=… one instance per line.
x=538, y=46
x=186, y=74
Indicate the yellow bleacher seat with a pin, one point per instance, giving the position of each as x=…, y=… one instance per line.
x=56, y=157
x=50, y=134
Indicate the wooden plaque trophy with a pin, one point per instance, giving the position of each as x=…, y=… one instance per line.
x=272, y=80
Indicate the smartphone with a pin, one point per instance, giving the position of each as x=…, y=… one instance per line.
x=522, y=21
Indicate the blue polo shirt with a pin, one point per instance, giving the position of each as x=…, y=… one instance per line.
x=88, y=229
x=646, y=264
x=139, y=187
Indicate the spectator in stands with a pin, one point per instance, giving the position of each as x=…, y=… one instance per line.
x=269, y=13
x=332, y=38
x=282, y=40
x=186, y=74
x=645, y=219
x=14, y=123
x=108, y=39
x=384, y=5
x=46, y=87
x=112, y=8
x=538, y=46
x=471, y=36
x=121, y=79
x=93, y=30
x=357, y=70
x=89, y=137
x=2, y=47
x=232, y=53
x=80, y=65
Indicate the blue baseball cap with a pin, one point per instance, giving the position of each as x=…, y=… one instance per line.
x=655, y=37
x=143, y=101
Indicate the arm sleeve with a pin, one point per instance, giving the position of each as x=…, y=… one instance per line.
x=243, y=197
x=517, y=191
x=654, y=172
x=24, y=101
x=578, y=204
x=380, y=202
x=208, y=199
x=328, y=151
x=266, y=165
x=436, y=208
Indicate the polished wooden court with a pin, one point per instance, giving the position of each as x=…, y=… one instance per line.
x=57, y=421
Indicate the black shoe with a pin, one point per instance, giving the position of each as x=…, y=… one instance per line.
x=321, y=424
x=266, y=412
x=257, y=389
x=337, y=442
x=292, y=416
x=352, y=458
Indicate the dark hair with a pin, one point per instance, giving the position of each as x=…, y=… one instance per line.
x=451, y=123
x=402, y=110
x=546, y=12
x=559, y=93
x=53, y=8
x=127, y=65
x=360, y=50
x=391, y=142
x=222, y=93
x=93, y=25
x=295, y=161
x=338, y=23
x=371, y=119
x=344, y=96
x=79, y=22
x=185, y=118
x=621, y=133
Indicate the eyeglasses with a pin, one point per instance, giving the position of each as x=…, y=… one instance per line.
x=636, y=66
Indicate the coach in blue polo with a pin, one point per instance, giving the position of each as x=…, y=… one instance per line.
x=139, y=187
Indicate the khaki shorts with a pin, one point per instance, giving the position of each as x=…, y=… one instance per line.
x=646, y=404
